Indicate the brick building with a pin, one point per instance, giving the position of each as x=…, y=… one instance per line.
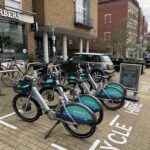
x=15, y=35
x=122, y=28
x=62, y=24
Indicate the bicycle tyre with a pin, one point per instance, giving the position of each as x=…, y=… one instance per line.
x=86, y=135
x=52, y=101
x=113, y=103
x=72, y=129
x=8, y=79
x=18, y=112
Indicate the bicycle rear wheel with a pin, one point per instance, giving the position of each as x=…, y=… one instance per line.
x=94, y=104
x=112, y=98
x=8, y=79
x=30, y=70
x=80, y=131
x=83, y=116
x=118, y=86
x=26, y=108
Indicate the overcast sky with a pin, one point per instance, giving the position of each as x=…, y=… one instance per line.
x=145, y=5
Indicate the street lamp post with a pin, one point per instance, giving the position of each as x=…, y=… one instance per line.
x=53, y=43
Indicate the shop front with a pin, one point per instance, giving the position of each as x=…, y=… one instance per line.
x=13, y=33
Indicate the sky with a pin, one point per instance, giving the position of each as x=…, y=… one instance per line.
x=145, y=5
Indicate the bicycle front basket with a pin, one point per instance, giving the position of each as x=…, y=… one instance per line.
x=22, y=86
x=84, y=75
x=72, y=77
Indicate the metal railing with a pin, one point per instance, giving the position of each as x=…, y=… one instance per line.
x=82, y=19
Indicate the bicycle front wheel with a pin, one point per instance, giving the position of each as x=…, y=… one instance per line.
x=8, y=79
x=26, y=108
x=51, y=96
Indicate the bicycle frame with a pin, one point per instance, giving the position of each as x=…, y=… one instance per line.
x=98, y=88
x=52, y=115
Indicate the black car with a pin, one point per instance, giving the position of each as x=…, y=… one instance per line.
x=100, y=63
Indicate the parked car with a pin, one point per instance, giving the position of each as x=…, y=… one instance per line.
x=100, y=63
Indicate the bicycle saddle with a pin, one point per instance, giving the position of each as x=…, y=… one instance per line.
x=104, y=76
x=66, y=87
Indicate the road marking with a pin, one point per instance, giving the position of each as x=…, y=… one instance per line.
x=146, y=82
x=7, y=115
x=95, y=144
x=114, y=120
x=126, y=105
x=58, y=147
x=8, y=125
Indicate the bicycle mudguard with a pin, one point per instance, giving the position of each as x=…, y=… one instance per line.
x=110, y=92
x=118, y=86
x=80, y=114
x=91, y=102
x=47, y=81
x=74, y=76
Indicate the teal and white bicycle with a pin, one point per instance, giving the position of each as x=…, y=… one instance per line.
x=29, y=105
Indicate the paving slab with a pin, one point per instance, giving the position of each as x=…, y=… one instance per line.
x=124, y=129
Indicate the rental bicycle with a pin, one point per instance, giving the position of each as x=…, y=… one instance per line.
x=50, y=91
x=111, y=97
x=29, y=105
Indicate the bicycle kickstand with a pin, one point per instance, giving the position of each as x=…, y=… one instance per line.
x=50, y=130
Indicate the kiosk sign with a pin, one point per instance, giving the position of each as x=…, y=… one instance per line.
x=129, y=75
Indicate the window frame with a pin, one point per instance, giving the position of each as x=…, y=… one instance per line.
x=107, y=18
x=9, y=7
x=105, y=36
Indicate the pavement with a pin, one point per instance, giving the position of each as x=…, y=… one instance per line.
x=125, y=129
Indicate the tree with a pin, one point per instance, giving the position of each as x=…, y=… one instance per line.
x=119, y=38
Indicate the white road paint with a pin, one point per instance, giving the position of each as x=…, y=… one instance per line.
x=58, y=147
x=114, y=120
x=7, y=115
x=127, y=104
x=94, y=145
x=8, y=125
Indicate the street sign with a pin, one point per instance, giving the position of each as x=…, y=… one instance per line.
x=130, y=75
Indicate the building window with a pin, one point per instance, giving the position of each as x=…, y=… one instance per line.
x=107, y=19
x=14, y=5
x=107, y=36
x=82, y=12
x=12, y=38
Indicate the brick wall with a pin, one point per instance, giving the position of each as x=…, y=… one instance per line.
x=1, y=2
x=38, y=8
x=30, y=43
x=118, y=10
x=61, y=14
x=27, y=5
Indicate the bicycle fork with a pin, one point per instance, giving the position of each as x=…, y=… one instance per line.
x=43, y=103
